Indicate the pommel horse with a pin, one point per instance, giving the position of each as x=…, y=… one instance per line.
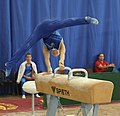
x=90, y=92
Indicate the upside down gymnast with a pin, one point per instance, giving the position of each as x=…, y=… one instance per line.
x=52, y=40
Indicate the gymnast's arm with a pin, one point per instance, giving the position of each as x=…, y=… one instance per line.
x=47, y=58
x=62, y=55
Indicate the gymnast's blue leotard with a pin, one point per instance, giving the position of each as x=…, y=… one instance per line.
x=53, y=41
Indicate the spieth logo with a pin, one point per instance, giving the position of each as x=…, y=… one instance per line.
x=60, y=91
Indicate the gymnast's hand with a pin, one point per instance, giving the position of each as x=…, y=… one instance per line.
x=46, y=73
x=61, y=66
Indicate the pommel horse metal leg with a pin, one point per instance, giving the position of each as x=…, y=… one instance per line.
x=52, y=107
x=48, y=99
x=54, y=103
x=60, y=106
x=89, y=109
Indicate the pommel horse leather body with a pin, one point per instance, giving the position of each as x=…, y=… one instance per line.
x=85, y=90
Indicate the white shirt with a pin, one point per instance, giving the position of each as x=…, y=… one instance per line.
x=22, y=70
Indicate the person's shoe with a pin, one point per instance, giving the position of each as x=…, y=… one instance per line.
x=92, y=20
x=23, y=97
x=37, y=95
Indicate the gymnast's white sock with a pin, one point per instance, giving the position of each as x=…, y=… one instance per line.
x=92, y=20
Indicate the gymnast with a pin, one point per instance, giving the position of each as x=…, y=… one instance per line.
x=52, y=40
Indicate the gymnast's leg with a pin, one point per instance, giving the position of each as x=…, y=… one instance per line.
x=59, y=24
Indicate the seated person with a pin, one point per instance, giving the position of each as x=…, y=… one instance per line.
x=101, y=65
x=27, y=72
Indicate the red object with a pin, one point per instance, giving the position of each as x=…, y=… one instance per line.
x=98, y=63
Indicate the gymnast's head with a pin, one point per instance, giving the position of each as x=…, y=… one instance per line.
x=55, y=52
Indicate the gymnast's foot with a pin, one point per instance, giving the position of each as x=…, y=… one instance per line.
x=92, y=20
